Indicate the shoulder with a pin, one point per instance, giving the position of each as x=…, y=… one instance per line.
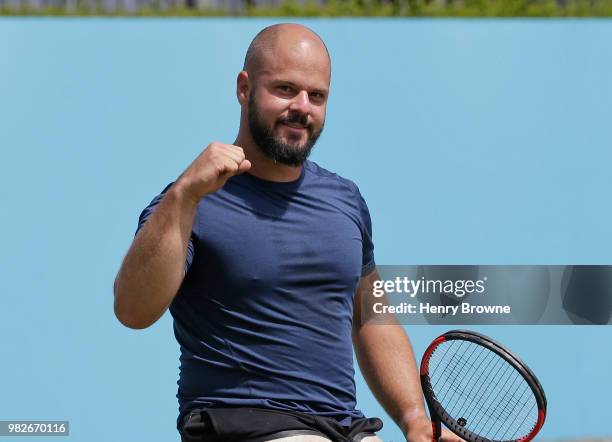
x=341, y=191
x=329, y=178
x=150, y=208
x=155, y=201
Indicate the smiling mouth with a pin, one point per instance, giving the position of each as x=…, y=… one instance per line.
x=294, y=126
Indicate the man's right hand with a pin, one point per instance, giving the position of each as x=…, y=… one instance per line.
x=211, y=169
x=420, y=430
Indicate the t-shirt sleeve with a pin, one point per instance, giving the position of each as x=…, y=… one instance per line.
x=146, y=213
x=368, y=264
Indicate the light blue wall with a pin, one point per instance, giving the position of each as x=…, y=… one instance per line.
x=474, y=142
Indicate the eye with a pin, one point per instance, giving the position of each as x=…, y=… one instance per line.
x=284, y=88
x=317, y=97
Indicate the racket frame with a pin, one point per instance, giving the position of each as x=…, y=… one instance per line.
x=438, y=414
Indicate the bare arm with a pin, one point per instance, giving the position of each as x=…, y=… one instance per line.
x=389, y=366
x=153, y=268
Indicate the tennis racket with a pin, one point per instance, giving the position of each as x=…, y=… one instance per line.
x=480, y=390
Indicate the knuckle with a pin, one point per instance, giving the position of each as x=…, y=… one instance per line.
x=214, y=146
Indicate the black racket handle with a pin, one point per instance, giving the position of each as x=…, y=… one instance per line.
x=437, y=430
x=436, y=425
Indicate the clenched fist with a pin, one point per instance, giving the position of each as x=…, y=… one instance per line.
x=211, y=169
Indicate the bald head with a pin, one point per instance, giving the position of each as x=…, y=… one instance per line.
x=285, y=37
x=283, y=91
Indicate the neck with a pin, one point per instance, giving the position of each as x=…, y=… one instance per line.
x=262, y=166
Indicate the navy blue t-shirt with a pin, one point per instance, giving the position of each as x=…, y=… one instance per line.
x=264, y=314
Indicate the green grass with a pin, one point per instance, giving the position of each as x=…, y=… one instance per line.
x=357, y=8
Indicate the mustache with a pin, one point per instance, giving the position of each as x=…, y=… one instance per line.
x=296, y=118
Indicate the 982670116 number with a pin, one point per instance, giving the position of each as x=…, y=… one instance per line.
x=48, y=428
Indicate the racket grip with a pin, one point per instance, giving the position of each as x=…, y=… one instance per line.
x=436, y=423
x=436, y=428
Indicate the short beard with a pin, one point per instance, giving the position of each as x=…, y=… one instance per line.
x=272, y=146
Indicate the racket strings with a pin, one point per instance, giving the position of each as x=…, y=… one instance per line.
x=475, y=397
x=525, y=410
x=505, y=412
x=501, y=411
x=527, y=425
x=476, y=386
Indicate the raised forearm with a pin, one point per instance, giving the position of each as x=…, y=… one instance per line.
x=153, y=268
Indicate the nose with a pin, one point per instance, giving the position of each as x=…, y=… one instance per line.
x=301, y=103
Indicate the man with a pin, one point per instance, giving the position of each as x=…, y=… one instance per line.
x=262, y=256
